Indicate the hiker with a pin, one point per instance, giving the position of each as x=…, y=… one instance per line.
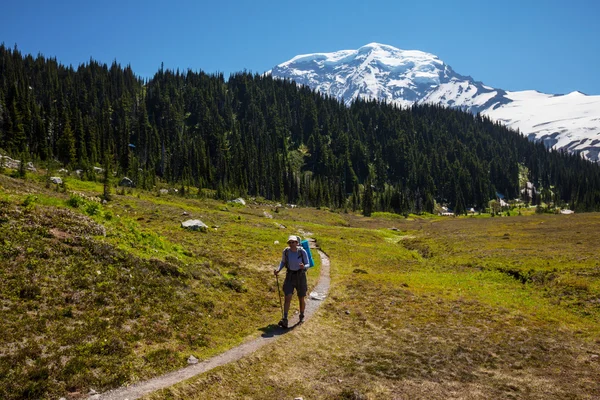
x=295, y=259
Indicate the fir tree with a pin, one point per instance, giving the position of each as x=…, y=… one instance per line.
x=66, y=148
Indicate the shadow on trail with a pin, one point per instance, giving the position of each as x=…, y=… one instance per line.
x=273, y=330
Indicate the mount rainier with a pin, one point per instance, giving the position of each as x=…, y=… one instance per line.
x=405, y=77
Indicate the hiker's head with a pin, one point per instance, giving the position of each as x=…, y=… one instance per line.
x=293, y=240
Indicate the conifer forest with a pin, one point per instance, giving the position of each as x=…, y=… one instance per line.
x=252, y=135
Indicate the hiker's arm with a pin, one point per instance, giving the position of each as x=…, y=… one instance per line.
x=303, y=264
x=305, y=259
x=281, y=264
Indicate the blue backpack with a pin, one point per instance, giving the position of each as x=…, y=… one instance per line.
x=306, y=248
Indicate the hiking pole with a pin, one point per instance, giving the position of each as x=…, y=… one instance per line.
x=279, y=291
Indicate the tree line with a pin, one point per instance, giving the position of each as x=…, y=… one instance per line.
x=253, y=135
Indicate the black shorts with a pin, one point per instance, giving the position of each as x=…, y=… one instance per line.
x=295, y=280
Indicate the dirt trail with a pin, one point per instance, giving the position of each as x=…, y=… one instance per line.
x=142, y=388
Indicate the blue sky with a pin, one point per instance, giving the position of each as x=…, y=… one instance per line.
x=551, y=46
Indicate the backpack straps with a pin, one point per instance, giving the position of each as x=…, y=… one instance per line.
x=286, y=252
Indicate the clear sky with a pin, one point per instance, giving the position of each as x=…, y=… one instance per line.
x=547, y=45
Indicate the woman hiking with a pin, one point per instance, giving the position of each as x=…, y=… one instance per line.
x=295, y=259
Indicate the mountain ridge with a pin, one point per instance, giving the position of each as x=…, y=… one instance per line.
x=407, y=77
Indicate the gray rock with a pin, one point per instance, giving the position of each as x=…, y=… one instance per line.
x=163, y=191
x=394, y=229
x=79, y=172
x=239, y=200
x=192, y=360
x=63, y=171
x=92, y=392
x=267, y=215
x=185, y=213
x=30, y=167
x=194, y=224
x=10, y=163
x=56, y=179
x=126, y=182
x=98, y=170
x=316, y=296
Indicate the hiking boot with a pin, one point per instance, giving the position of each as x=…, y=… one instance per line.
x=301, y=317
x=283, y=323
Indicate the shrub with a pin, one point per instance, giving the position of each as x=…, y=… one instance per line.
x=92, y=209
x=75, y=201
x=29, y=292
x=29, y=200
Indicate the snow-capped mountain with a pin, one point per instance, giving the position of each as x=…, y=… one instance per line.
x=406, y=77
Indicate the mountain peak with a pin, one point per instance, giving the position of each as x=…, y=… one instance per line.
x=399, y=53
x=407, y=77
x=373, y=70
x=374, y=45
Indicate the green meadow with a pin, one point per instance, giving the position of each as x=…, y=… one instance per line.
x=103, y=295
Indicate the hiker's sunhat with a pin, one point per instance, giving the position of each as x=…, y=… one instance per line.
x=293, y=238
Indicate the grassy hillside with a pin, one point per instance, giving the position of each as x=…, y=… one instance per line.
x=97, y=296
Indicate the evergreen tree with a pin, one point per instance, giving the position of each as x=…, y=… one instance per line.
x=66, y=148
x=255, y=135
x=368, y=198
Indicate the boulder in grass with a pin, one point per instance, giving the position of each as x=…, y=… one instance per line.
x=194, y=225
x=126, y=182
x=57, y=180
x=239, y=200
x=10, y=163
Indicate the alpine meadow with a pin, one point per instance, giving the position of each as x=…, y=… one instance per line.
x=455, y=272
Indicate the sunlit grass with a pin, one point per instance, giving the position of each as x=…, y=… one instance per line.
x=455, y=304
x=119, y=292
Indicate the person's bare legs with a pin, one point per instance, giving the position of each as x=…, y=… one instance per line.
x=288, y=301
x=286, y=305
x=302, y=301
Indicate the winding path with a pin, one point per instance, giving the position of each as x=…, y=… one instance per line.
x=160, y=382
